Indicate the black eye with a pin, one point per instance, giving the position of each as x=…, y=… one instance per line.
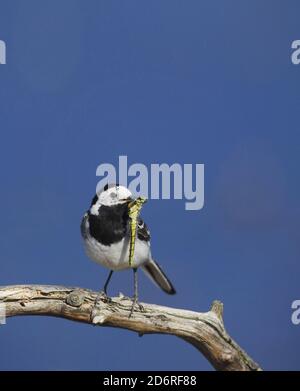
x=106, y=187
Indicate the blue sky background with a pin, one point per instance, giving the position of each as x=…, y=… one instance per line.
x=162, y=81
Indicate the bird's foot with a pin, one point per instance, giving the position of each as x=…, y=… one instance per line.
x=103, y=297
x=135, y=303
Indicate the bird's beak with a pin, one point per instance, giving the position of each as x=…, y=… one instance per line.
x=127, y=200
x=137, y=201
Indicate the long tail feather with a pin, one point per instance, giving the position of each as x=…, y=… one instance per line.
x=154, y=271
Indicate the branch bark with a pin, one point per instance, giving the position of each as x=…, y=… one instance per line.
x=205, y=330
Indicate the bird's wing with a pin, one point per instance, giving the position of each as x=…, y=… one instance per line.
x=143, y=232
x=152, y=268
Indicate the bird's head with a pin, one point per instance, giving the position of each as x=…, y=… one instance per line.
x=110, y=195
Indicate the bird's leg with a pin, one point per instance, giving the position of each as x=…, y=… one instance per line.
x=135, y=296
x=103, y=293
x=107, y=282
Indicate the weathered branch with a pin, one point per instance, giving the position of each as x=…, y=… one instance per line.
x=203, y=330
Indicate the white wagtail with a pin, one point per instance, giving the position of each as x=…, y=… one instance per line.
x=105, y=230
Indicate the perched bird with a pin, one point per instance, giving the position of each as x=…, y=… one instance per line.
x=105, y=229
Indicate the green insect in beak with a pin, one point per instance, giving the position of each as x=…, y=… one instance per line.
x=134, y=208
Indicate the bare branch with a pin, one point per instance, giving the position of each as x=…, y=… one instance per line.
x=205, y=331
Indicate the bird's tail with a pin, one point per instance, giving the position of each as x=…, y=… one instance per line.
x=154, y=271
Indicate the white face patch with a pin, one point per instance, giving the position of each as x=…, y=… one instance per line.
x=113, y=196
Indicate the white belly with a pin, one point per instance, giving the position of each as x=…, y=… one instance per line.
x=116, y=256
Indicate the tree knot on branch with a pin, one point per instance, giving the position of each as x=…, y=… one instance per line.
x=75, y=298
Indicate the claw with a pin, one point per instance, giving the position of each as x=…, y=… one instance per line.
x=135, y=303
x=102, y=296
